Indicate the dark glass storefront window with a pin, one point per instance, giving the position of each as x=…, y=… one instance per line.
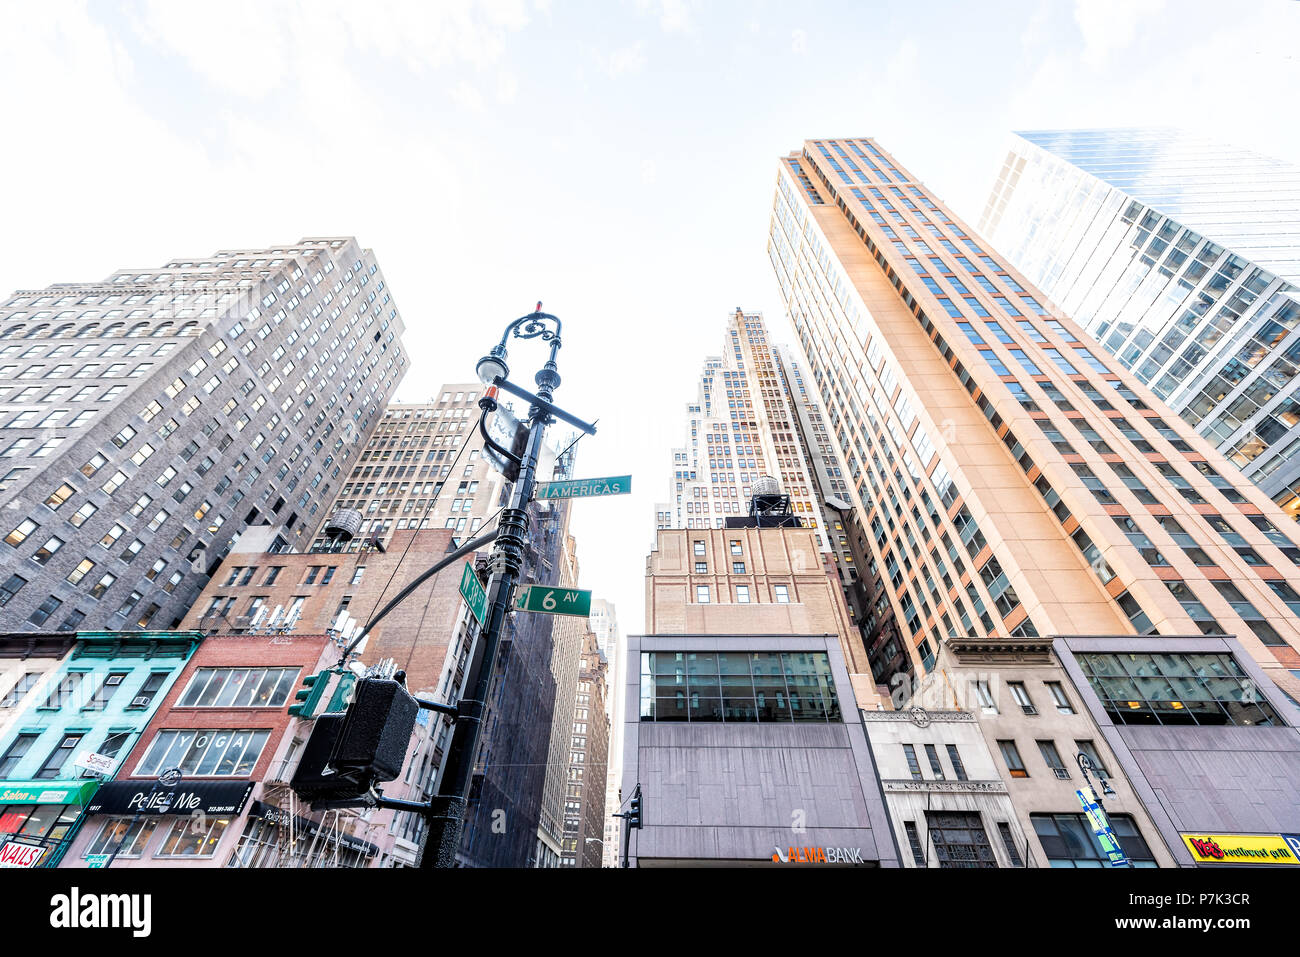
x=1176, y=689
x=1068, y=840
x=731, y=686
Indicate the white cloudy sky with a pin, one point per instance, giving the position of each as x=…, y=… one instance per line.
x=614, y=158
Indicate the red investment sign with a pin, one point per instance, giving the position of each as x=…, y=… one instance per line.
x=17, y=854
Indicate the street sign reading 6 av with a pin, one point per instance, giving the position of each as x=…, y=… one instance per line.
x=553, y=600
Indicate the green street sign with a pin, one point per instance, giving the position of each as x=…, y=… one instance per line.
x=553, y=600
x=584, y=488
x=96, y=860
x=475, y=595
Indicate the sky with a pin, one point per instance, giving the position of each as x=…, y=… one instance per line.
x=615, y=159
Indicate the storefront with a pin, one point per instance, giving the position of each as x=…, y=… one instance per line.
x=273, y=837
x=38, y=820
x=141, y=821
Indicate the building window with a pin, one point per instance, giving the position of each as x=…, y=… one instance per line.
x=702, y=594
x=1021, y=697
x=782, y=594
x=984, y=695
x=238, y=688
x=144, y=697
x=107, y=688
x=63, y=694
x=742, y=594
x=736, y=686
x=58, y=757
x=958, y=768
x=699, y=548
x=214, y=752
x=932, y=753
x=735, y=548
x=1209, y=689
x=737, y=568
x=1068, y=840
x=1059, y=696
x=959, y=839
x=1011, y=755
x=914, y=840
x=192, y=838
x=123, y=835
x=15, y=753
x=701, y=568
x=1009, y=842
x=1052, y=758
x=20, y=689
x=913, y=765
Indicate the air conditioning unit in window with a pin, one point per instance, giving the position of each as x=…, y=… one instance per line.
x=1028, y=709
x=141, y=702
x=1062, y=773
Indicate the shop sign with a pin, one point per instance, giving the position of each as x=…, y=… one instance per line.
x=1243, y=848
x=18, y=854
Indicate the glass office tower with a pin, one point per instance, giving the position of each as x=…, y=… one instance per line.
x=1181, y=256
x=1009, y=477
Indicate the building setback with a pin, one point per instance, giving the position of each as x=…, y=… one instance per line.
x=1008, y=477
x=147, y=419
x=1181, y=256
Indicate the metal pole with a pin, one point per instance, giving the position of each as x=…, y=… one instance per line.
x=447, y=809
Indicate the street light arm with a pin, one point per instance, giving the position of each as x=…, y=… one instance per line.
x=401, y=596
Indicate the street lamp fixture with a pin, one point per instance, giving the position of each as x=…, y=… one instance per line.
x=493, y=366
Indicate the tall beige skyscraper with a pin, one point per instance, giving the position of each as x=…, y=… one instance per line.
x=741, y=427
x=1008, y=476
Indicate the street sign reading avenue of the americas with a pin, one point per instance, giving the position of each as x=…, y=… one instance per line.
x=554, y=600
x=584, y=488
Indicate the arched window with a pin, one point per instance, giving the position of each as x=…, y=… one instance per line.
x=63, y=330
x=137, y=330
x=190, y=328
x=14, y=332
x=167, y=328
x=113, y=330
x=36, y=329
x=87, y=330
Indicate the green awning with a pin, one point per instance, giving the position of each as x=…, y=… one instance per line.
x=47, y=792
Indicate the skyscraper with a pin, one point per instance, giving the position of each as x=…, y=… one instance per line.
x=1008, y=478
x=147, y=419
x=741, y=427
x=1181, y=255
x=604, y=624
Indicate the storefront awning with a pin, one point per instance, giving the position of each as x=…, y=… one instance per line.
x=47, y=792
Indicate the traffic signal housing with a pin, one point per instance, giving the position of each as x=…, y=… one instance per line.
x=350, y=752
x=309, y=695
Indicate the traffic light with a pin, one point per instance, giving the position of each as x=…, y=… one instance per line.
x=309, y=695
x=349, y=753
x=634, y=808
x=376, y=730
